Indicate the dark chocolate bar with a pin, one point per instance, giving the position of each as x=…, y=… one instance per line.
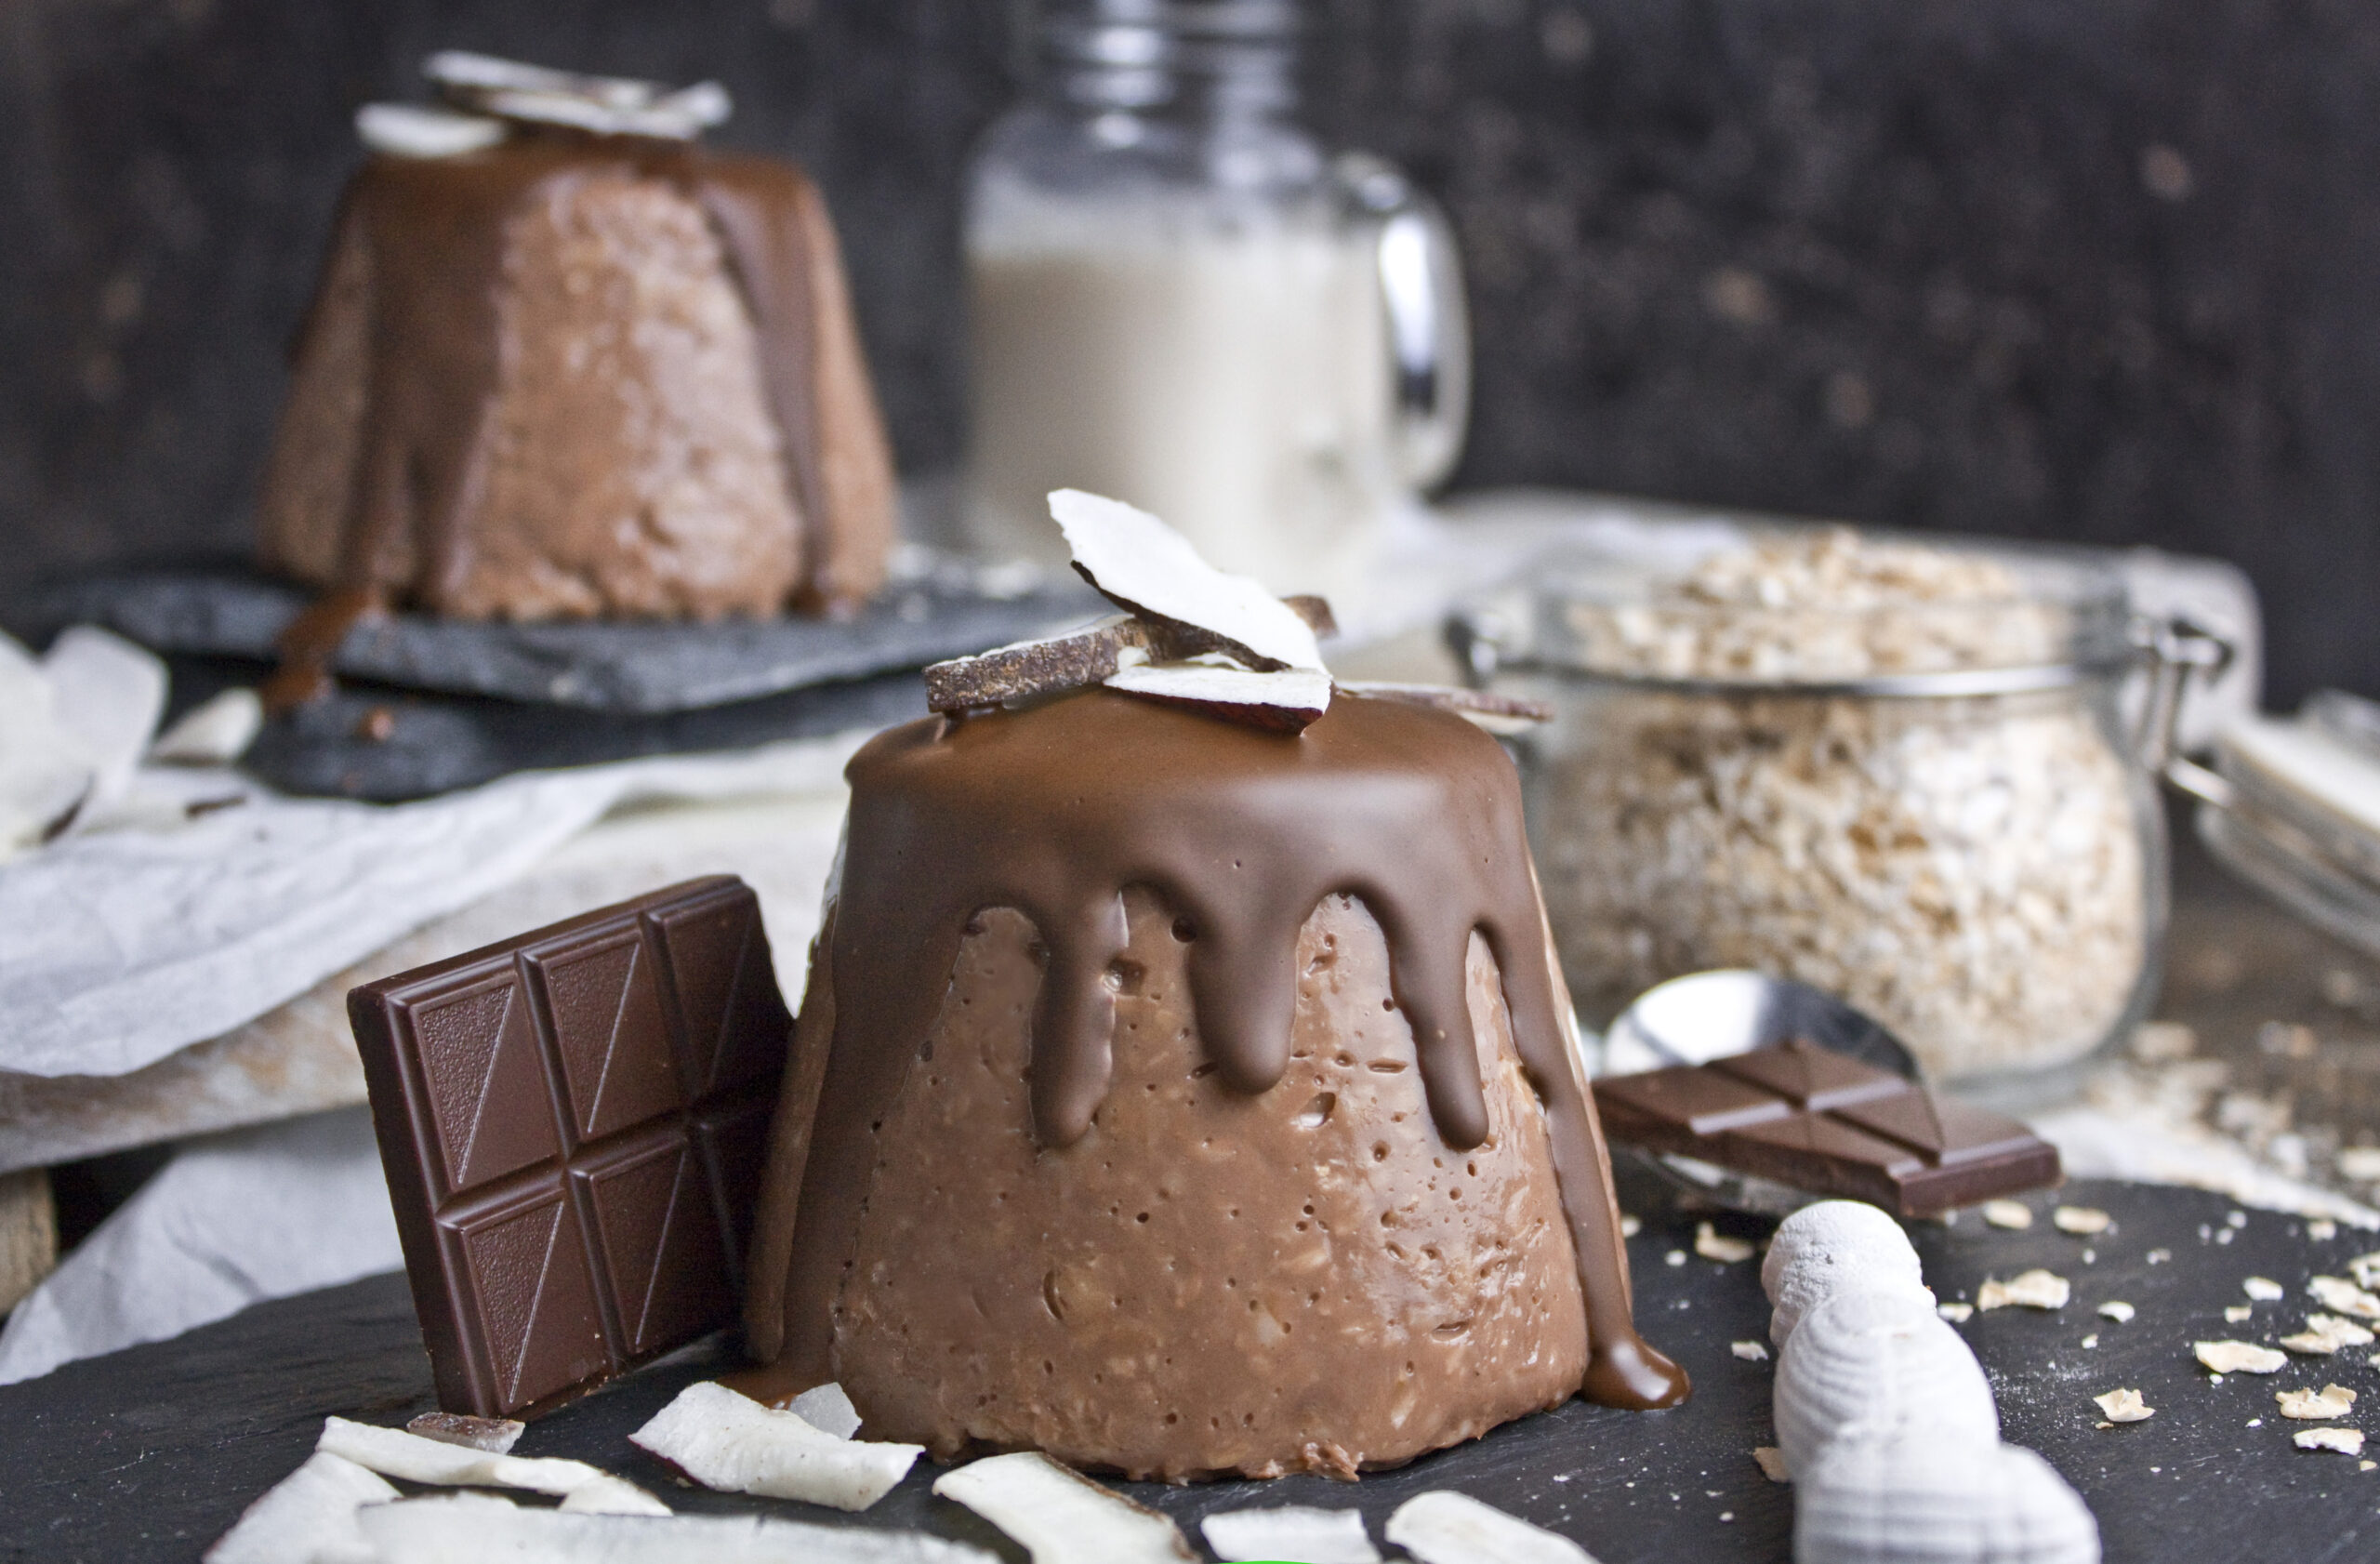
x=573, y=1124
x=1824, y=1122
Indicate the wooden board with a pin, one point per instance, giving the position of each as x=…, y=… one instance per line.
x=150, y=1454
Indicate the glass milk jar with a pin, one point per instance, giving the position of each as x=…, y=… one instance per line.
x=1177, y=298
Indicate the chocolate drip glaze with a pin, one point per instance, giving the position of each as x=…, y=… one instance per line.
x=436, y=230
x=1057, y=810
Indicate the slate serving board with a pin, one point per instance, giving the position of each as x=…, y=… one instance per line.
x=150, y=1454
x=634, y=669
x=386, y=745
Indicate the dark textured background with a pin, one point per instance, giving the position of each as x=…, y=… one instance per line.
x=2107, y=271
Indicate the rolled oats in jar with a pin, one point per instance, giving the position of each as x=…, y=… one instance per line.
x=1892, y=770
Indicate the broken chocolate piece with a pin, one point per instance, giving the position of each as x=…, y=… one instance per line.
x=1093, y=655
x=573, y=1123
x=1315, y=609
x=1026, y=669
x=495, y=1434
x=1285, y=702
x=1826, y=1122
x=1148, y=568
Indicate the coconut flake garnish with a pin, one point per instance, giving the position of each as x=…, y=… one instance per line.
x=393, y=1452
x=733, y=1443
x=1311, y=1536
x=1062, y=1517
x=827, y=1408
x=308, y=1514
x=1288, y=701
x=1148, y=568
x=1447, y=1528
x=480, y=1526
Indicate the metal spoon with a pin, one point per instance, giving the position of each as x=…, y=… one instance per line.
x=1707, y=1016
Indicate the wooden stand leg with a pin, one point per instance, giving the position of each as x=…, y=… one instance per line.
x=28, y=1234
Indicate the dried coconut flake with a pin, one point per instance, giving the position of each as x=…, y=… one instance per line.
x=733, y=1444
x=1062, y=1517
x=1443, y=1527
x=1313, y=1536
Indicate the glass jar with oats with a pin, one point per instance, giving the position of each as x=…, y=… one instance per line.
x=1901, y=772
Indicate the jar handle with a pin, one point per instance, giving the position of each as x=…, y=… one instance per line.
x=1429, y=328
x=2180, y=652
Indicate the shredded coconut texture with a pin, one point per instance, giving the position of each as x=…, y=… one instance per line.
x=1967, y=870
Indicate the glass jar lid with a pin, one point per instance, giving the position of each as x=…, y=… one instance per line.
x=1821, y=610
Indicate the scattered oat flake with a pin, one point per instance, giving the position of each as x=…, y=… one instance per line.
x=1676, y=1257
x=2081, y=1220
x=1751, y=1352
x=2091, y=1341
x=2326, y=1333
x=2013, y=1214
x=2235, y=1219
x=2240, y=1357
x=2366, y=1466
x=2263, y=1290
x=1772, y=1462
x=2346, y=1441
x=2238, y=1313
x=2033, y=1289
x=1712, y=1244
x=2344, y=1297
x=2117, y=1310
x=2365, y=1269
x=2321, y=1229
x=2159, y=1256
x=2125, y=1406
x=1631, y=1225
x=2316, y=1406
x=1957, y=1314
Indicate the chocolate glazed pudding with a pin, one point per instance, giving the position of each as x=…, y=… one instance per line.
x=574, y=375
x=1187, y=1099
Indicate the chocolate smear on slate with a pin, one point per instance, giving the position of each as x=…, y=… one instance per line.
x=1055, y=809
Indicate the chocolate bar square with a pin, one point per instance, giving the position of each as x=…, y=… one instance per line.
x=1824, y=1122
x=573, y=1124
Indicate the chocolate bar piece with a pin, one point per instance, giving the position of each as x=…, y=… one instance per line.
x=1824, y=1122
x=573, y=1124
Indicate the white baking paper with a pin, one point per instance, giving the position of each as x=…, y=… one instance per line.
x=124, y=946
x=229, y=1221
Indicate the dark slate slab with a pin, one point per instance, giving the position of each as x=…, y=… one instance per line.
x=150, y=1454
x=632, y=668
x=435, y=744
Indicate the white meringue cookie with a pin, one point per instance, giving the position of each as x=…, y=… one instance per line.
x=1878, y=1364
x=1929, y=1500
x=1823, y=1248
